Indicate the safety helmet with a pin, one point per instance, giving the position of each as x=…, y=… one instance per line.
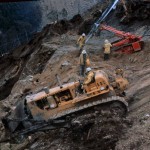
x=84, y=51
x=88, y=69
x=106, y=41
x=83, y=34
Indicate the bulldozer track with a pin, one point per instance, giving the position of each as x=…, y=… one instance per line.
x=91, y=104
x=38, y=125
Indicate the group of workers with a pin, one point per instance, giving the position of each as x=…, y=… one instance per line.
x=88, y=74
x=107, y=46
x=84, y=60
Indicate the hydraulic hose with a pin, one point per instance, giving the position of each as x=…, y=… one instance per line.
x=102, y=17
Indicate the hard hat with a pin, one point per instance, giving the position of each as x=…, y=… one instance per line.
x=84, y=51
x=88, y=69
x=83, y=34
x=106, y=41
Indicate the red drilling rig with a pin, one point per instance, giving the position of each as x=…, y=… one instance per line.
x=129, y=43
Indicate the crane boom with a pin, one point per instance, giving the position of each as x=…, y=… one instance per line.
x=120, y=34
x=128, y=43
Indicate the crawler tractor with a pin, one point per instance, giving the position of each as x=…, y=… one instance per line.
x=49, y=106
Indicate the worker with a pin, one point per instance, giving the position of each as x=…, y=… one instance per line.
x=107, y=47
x=89, y=76
x=84, y=62
x=81, y=41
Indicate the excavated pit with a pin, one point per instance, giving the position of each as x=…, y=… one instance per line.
x=24, y=55
x=91, y=130
x=82, y=135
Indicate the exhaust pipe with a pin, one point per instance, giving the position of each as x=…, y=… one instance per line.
x=59, y=81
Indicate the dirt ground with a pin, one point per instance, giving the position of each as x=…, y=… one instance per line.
x=34, y=66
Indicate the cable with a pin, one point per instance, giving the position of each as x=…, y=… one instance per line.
x=102, y=17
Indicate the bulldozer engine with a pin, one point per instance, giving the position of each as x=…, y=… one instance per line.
x=121, y=83
x=63, y=100
x=119, y=71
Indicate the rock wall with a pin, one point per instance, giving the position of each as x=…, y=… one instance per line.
x=19, y=21
x=54, y=10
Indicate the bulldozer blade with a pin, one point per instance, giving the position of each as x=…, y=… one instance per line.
x=51, y=125
x=16, y=118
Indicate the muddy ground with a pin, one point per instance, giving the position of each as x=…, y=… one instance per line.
x=54, y=51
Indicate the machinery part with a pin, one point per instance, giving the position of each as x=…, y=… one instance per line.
x=121, y=83
x=119, y=71
x=129, y=48
x=55, y=121
x=94, y=103
x=17, y=115
x=58, y=79
x=129, y=43
x=117, y=109
x=94, y=29
x=51, y=125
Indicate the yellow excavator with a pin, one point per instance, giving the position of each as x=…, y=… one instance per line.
x=49, y=106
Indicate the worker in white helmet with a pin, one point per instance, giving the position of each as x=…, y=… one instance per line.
x=81, y=41
x=89, y=76
x=84, y=62
x=107, y=47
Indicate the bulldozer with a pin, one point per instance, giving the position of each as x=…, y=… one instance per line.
x=47, y=108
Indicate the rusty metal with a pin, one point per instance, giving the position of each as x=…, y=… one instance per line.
x=60, y=102
x=129, y=43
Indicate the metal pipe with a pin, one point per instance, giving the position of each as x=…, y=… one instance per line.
x=59, y=82
x=102, y=17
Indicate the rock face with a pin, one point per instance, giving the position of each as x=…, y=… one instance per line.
x=53, y=10
x=19, y=21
